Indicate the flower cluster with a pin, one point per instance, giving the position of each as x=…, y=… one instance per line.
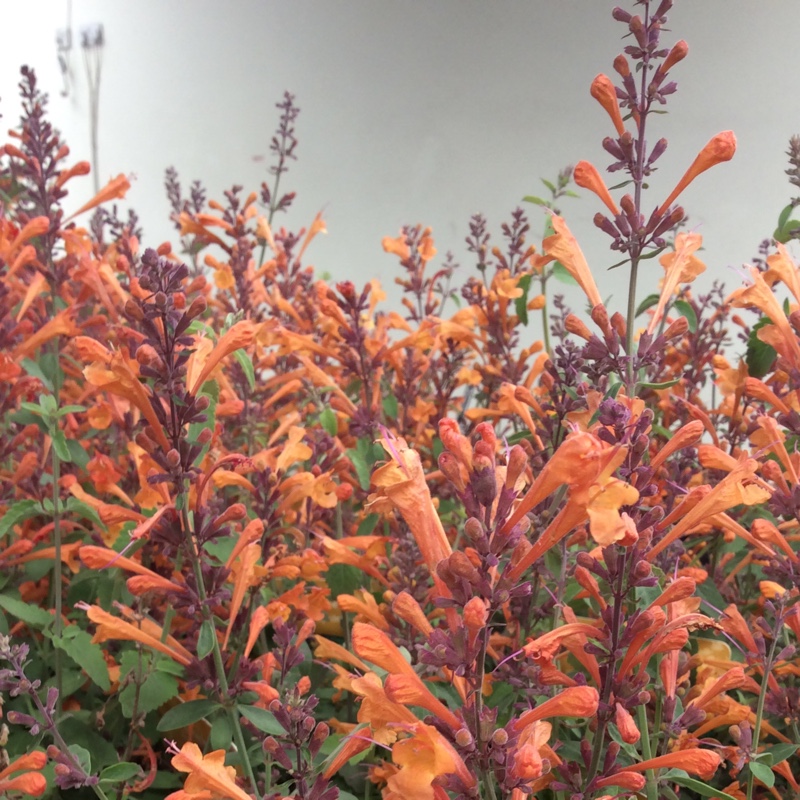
x=262, y=539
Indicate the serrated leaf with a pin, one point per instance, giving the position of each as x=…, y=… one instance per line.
x=521, y=303
x=186, y=714
x=205, y=640
x=29, y=614
x=19, y=512
x=246, y=363
x=329, y=422
x=701, y=788
x=759, y=356
x=77, y=644
x=119, y=773
x=648, y=302
x=687, y=311
x=762, y=773
x=263, y=720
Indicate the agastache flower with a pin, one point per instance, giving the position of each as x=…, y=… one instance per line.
x=587, y=177
x=564, y=248
x=207, y=773
x=719, y=148
x=604, y=92
x=31, y=782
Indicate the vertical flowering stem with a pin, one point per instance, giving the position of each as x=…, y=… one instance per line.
x=638, y=179
x=762, y=696
x=58, y=588
x=651, y=786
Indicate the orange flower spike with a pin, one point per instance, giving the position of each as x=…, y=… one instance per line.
x=562, y=246
x=575, y=701
x=208, y=773
x=605, y=93
x=703, y=763
x=240, y=335
x=587, y=177
x=719, y=148
x=115, y=189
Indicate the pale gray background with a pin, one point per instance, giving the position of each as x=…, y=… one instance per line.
x=416, y=111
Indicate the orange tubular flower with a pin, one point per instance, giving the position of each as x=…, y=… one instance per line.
x=719, y=148
x=575, y=701
x=587, y=177
x=116, y=188
x=238, y=336
x=422, y=758
x=401, y=485
x=112, y=628
x=563, y=247
x=208, y=773
x=604, y=92
x=31, y=781
x=703, y=763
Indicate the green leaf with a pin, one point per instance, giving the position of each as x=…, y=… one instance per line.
x=64, y=410
x=186, y=714
x=263, y=720
x=362, y=469
x=83, y=757
x=759, y=355
x=77, y=454
x=687, y=311
x=157, y=689
x=664, y=385
x=780, y=752
x=81, y=509
x=561, y=273
x=701, y=788
x=205, y=641
x=77, y=644
x=19, y=512
x=221, y=733
x=343, y=579
x=549, y=185
x=390, y=407
x=762, y=773
x=60, y=444
x=783, y=218
x=329, y=422
x=368, y=524
x=537, y=201
x=34, y=370
x=786, y=231
x=648, y=302
x=31, y=615
x=246, y=363
x=120, y=773
x=521, y=303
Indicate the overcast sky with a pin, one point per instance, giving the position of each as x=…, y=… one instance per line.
x=416, y=111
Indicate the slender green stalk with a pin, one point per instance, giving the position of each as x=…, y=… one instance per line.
x=219, y=664
x=58, y=578
x=651, y=786
x=762, y=696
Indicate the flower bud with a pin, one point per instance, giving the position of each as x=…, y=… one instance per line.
x=475, y=615
x=173, y=459
x=627, y=727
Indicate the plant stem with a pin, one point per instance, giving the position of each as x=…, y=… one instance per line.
x=58, y=587
x=647, y=753
x=219, y=665
x=762, y=696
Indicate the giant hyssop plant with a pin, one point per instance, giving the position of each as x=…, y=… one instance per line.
x=261, y=539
